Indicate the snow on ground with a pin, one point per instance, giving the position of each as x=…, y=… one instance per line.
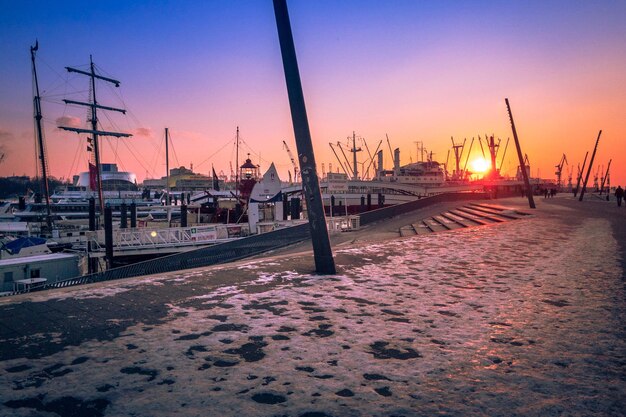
x=521, y=318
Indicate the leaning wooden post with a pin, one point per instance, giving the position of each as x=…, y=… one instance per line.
x=580, y=174
x=322, y=252
x=522, y=165
x=593, y=155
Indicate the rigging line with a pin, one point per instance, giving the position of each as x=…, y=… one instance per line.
x=117, y=158
x=174, y=150
x=112, y=123
x=74, y=161
x=156, y=156
x=135, y=156
x=130, y=143
x=214, y=153
x=254, y=153
x=63, y=79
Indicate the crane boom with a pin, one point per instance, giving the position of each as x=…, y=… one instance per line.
x=293, y=162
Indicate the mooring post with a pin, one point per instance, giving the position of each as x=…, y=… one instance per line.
x=92, y=214
x=529, y=193
x=123, y=216
x=285, y=207
x=183, y=215
x=133, y=214
x=593, y=155
x=108, y=235
x=322, y=251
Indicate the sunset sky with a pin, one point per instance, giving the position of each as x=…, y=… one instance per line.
x=414, y=70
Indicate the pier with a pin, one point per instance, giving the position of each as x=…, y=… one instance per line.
x=430, y=324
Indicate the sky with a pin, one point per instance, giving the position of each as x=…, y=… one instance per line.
x=412, y=71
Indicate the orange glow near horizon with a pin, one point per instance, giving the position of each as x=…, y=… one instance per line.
x=480, y=166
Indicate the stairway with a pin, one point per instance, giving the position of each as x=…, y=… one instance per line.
x=473, y=214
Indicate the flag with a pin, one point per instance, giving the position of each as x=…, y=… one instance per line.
x=92, y=177
x=216, y=183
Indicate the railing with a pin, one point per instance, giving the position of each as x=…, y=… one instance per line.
x=211, y=255
x=335, y=224
x=343, y=223
x=153, y=238
x=398, y=209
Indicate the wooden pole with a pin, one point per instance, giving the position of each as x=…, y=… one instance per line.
x=593, y=155
x=531, y=201
x=322, y=251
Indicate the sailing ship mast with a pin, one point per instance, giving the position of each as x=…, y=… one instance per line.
x=40, y=142
x=167, y=167
x=94, y=122
x=237, y=169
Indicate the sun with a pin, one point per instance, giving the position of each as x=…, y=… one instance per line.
x=480, y=165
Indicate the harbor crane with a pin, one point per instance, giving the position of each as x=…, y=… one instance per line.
x=458, y=152
x=606, y=179
x=559, y=170
x=293, y=162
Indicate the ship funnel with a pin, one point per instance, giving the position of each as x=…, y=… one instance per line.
x=380, y=163
x=396, y=161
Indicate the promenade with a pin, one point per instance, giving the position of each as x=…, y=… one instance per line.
x=522, y=318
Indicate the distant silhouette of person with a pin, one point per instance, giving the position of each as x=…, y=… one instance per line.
x=619, y=195
x=545, y=193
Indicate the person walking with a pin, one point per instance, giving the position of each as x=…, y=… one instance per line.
x=619, y=195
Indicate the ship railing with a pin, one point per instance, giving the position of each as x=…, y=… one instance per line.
x=147, y=237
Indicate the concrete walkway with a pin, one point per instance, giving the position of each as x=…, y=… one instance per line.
x=519, y=318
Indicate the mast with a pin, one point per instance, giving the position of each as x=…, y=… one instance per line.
x=338, y=160
x=167, y=167
x=40, y=143
x=354, y=150
x=94, y=127
x=531, y=201
x=237, y=167
x=593, y=155
x=457, y=156
x=493, y=151
x=467, y=157
x=506, y=146
x=94, y=121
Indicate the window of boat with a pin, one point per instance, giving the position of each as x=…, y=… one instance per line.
x=8, y=276
x=35, y=273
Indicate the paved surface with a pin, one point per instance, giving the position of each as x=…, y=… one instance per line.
x=519, y=318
